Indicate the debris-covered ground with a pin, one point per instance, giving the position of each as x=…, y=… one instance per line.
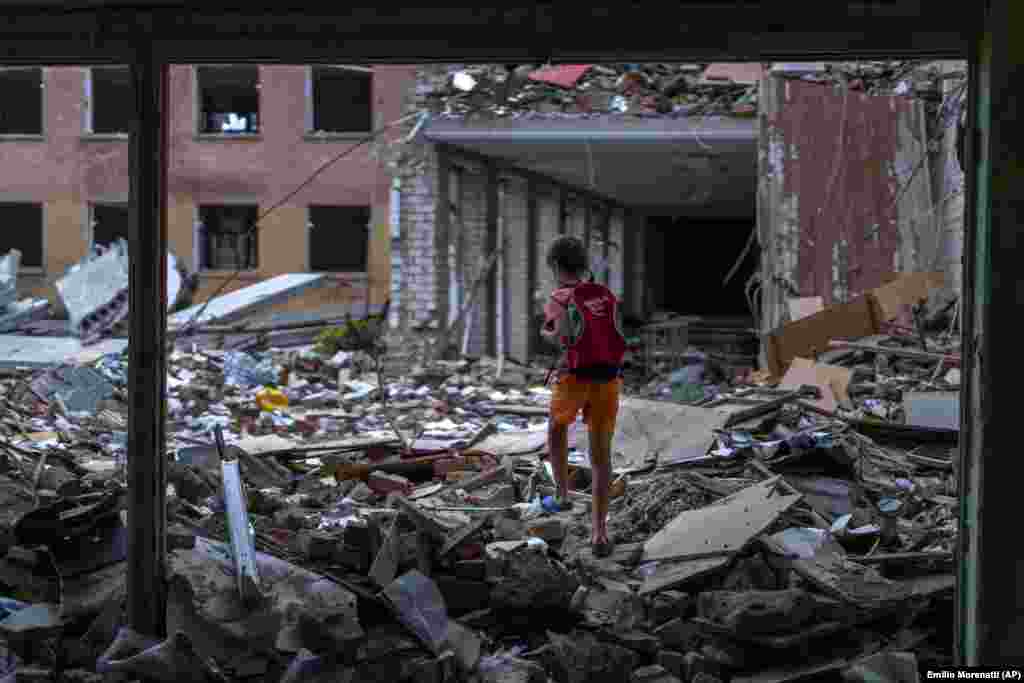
x=321, y=528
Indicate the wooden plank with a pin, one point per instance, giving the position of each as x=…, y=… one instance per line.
x=724, y=526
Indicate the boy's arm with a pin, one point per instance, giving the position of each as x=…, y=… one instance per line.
x=554, y=321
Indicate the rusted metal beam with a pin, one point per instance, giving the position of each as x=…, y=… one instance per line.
x=146, y=356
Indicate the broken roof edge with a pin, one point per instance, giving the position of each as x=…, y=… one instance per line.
x=591, y=130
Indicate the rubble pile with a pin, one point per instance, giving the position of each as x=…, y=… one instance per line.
x=328, y=521
x=517, y=91
x=506, y=91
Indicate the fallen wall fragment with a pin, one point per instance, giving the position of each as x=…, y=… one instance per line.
x=246, y=300
x=95, y=290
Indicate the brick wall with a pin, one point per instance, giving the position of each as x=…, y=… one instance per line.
x=417, y=268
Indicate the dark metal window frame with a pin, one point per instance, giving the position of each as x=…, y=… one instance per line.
x=317, y=266
x=41, y=206
x=28, y=135
x=315, y=131
x=199, y=109
x=94, y=98
x=203, y=245
x=94, y=219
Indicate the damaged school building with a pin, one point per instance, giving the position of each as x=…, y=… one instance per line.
x=243, y=137
x=734, y=197
x=355, y=484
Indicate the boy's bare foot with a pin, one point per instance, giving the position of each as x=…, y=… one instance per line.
x=602, y=547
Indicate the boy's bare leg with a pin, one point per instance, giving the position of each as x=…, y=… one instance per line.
x=558, y=451
x=601, y=471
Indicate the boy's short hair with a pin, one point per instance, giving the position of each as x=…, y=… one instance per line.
x=568, y=255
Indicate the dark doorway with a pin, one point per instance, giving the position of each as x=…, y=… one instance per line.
x=687, y=260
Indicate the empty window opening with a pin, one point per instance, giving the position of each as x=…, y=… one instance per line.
x=342, y=99
x=339, y=238
x=21, y=225
x=226, y=240
x=111, y=222
x=22, y=89
x=229, y=99
x=112, y=102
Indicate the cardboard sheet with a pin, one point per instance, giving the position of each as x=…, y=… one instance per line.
x=904, y=290
x=800, y=339
x=805, y=307
x=834, y=381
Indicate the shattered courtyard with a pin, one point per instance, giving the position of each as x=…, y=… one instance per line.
x=345, y=533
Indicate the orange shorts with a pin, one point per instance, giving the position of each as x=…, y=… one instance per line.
x=599, y=402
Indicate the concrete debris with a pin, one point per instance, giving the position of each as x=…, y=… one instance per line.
x=247, y=300
x=9, y=264
x=396, y=526
x=94, y=291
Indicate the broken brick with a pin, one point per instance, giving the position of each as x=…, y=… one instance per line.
x=318, y=547
x=475, y=570
x=469, y=551
x=550, y=529
x=678, y=634
x=463, y=594
x=695, y=665
x=638, y=641
x=653, y=674
x=514, y=670
x=674, y=662
x=668, y=605
x=357, y=559
x=383, y=484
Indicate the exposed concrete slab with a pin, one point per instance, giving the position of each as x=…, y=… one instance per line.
x=44, y=352
x=239, y=303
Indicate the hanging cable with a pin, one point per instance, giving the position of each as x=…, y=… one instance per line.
x=254, y=228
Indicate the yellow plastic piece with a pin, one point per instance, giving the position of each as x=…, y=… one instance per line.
x=269, y=399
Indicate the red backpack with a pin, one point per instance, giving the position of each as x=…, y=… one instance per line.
x=594, y=337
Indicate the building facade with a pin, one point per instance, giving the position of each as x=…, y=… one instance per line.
x=246, y=143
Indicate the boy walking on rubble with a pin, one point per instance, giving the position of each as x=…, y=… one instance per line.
x=582, y=317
